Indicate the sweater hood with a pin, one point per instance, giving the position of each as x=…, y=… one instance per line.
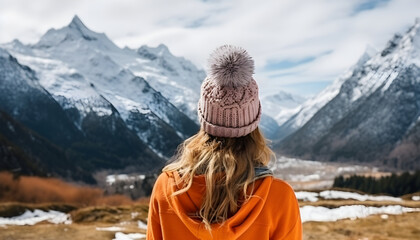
x=232, y=228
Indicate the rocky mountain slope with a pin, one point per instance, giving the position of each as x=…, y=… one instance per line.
x=35, y=124
x=375, y=114
x=88, y=75
x=306, y=110
x=98, y=106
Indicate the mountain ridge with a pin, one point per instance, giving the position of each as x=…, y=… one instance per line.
x=85, y=72
x=374, y=110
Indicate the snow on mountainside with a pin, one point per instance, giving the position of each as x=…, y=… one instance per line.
x=38, y=136
x=26, y=100
x=376, y=109
x=175, y=77
x=307, y=110
x=154, y=92
x=281, y=106
x=87, y=73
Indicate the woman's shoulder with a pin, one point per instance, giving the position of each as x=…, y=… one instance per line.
x=281, y=199
x=161, y=184
x=281, y=188
x=163, y=177
x=279, y=183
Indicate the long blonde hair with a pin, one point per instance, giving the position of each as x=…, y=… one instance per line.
x=228, y=167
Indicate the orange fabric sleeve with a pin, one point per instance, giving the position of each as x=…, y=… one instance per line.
x=296, y=232
x=289, y=225
x=154, y=230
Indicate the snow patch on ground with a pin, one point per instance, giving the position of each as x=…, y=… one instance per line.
x=333, y=194
x=129, y=236
x=110, y=229
x=307, y=196
x=142, y=225
x=323, y=214
x=415, y=198
x=111, y=179
x=37, y=216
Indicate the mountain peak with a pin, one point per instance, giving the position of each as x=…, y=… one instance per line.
x=415, y=29
x=154, y=52
x=404, y=42
x=85, y=32
x=77, y=23
x=75, y=31
x=162, y=47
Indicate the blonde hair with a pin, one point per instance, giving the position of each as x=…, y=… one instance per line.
x=228, y=167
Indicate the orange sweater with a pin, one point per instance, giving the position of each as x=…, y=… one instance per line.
x=271, y=213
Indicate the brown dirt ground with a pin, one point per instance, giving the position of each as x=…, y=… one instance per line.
x=404, y=226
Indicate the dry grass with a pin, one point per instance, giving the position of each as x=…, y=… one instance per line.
x=64, y=232
x=89, y=209
x=87, y=219
x=85, y=223
x=338, y=203
x=409, y=196
x=105, y=214
x=54, y=232
x=405, y=226
x=16, y=209
x=46, y=190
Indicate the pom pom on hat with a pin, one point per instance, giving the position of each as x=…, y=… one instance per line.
x=231, y=66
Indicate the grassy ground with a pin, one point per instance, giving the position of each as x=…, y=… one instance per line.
x=87, y=220
x=404, y=226
x=53, y=232
x=336, y=203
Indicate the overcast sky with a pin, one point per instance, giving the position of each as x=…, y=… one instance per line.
x=298, y=45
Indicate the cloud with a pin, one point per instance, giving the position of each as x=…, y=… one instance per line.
x=293, y=42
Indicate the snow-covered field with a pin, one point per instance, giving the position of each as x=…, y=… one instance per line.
x=135, y=229
x=308, y=213
x=323, y=214
x=334, y=194
x=112, y=179
x=305, y=174
x=37, y=216
x=129, y=236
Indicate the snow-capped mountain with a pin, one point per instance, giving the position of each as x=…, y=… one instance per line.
x=86, y=73
x=375, y=111
x=307, y=109
x=27, y=101
x=175, y=77
x=281, y=106
x=97, y=106
x=43, y=138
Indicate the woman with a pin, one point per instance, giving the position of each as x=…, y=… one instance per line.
x=219, y=187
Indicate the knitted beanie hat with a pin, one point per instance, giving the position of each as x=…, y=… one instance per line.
x=229, y=105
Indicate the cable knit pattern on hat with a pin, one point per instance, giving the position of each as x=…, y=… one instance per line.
x=229, y=107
